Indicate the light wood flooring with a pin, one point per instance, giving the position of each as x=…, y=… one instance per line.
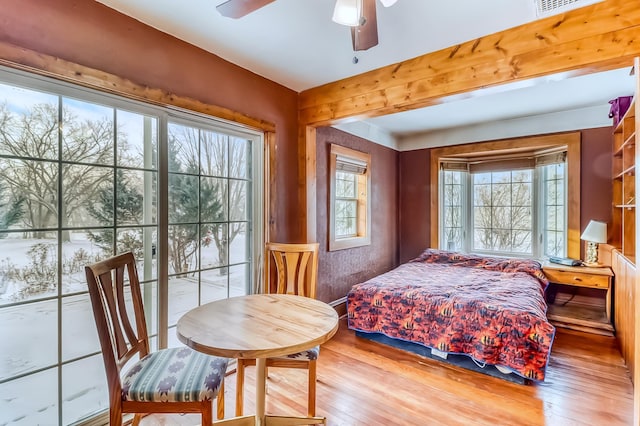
x=365, y=383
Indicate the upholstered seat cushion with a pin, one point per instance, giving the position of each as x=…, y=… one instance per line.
x=307, y=355
x=173, y=375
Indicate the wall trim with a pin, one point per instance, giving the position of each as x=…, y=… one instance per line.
x=340, y=305
x=31, y=61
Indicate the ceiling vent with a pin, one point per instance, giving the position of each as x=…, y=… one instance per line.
x=552, y=7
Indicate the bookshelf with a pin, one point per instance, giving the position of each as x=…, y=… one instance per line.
x=623, y=235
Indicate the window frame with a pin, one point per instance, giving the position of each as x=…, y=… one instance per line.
x=569, y=140
x=363, y=219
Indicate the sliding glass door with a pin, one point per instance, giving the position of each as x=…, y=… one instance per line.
x=81, y=178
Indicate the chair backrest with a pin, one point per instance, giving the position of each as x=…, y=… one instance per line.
x=296, y=268
x=121, y=337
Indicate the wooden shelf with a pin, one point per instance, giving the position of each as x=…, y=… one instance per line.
x=580, y=317
x=624, y=184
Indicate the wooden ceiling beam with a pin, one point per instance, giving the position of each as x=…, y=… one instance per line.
x=599, y=37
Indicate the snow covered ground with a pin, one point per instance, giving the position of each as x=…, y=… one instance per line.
x=29, y=338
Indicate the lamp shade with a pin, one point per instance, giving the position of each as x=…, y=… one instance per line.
x=347, y=13
x=387, y=3
x=595, y=232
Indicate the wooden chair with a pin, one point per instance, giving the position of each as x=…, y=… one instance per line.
x=176, y=380
x=296, y=273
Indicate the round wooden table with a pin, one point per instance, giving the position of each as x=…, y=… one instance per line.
x=257, y=327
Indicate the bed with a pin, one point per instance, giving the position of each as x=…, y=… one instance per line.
x=489, y=309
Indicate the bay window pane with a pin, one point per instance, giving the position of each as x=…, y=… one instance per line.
x=482, y=239
x=522, y=217
x=482, y=195
x=501, y=218
x=500, y=177
x=481, y=178
x=482, y=217
x=521, y=242
x=501, y=195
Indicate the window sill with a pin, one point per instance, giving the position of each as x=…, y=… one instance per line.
x=347, y=243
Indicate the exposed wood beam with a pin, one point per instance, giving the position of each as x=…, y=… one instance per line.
x=595, y=38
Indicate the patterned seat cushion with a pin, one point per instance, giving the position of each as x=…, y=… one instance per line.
x=174, y=375
x=308, y=355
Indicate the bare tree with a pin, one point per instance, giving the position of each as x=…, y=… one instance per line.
x=222, y=162
x=502, y=212
x=34, y=136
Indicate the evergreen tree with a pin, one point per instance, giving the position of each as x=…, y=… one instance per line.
x=129, y=209
x=11, y=210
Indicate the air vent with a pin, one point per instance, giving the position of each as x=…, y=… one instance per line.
x=551, y=7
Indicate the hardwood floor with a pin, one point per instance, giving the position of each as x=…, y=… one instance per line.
x=365, y=383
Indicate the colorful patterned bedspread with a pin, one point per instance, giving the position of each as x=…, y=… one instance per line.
x=491, y=309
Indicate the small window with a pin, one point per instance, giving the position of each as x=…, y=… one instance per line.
x=350, y=204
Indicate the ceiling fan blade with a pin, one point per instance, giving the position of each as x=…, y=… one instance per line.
x=238, y=8
x=365, y=36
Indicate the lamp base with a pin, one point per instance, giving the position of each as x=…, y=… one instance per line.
x=591, y=254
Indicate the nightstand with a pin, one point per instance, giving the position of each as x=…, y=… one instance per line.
x=580, y=316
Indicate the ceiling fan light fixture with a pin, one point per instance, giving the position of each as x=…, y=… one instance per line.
x=388, y=3
x=347, y=12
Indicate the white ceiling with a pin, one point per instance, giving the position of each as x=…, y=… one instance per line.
x=295, y=43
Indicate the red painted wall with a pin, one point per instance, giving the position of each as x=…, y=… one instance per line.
x=339, y=270
x=415, y=214
x=595, y=177
x=91, y=34
x=595, y=189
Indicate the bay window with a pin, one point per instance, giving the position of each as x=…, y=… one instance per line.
x=510, y=206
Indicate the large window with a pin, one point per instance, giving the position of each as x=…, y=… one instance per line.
x=349, y=203
x=83, y=176
x=514, y=207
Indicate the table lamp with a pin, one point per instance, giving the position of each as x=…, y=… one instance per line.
x=593, y=234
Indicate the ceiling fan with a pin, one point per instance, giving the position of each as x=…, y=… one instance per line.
x=360, y=15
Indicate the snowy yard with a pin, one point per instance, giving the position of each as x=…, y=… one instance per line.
x=29, y=336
